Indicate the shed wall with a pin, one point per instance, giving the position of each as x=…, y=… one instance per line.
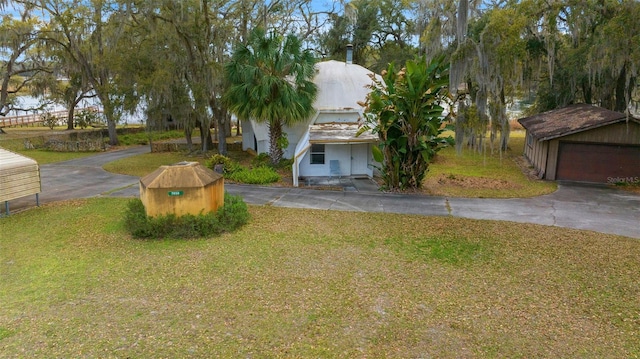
x=157, y=201
x=536, y=152
x=543, y=155
x=618, y=133
x=19, y=176
x=552, y=159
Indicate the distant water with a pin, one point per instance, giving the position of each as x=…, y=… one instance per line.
x=33, y=102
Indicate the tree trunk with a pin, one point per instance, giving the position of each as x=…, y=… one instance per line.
x=586, y=92
x=621, y=98
x=275, y=133
x=111, y=123
x=222, y=138
x=630, y=87
x=187, y=133
x=205, y=136
x=227, y=125
x=113, y=135
x=70, y=112
x=505, y=131
x=220, y=114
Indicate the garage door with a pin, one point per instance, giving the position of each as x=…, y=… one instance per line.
x=592, y=162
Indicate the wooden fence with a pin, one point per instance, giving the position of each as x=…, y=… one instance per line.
x=30, y=119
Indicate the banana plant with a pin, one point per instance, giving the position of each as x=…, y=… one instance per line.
x=406, y=110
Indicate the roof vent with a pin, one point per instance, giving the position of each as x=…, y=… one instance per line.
x=349, y=54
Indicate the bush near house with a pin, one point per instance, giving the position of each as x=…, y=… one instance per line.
x=231, y=216
x=260, y=173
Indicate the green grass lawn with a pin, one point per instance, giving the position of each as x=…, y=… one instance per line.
x=14, y=140
x=486, y=174
x=144, y=164
x=308, y=283
x=16, y=144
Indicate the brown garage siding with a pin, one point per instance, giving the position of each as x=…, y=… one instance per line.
x=535, y=152
x=594, y=162
x=618, y=133
x=587, y=125
x=552, y=159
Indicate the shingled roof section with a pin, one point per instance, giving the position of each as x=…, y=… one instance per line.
x=569, y=120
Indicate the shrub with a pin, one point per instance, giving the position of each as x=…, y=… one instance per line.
x=285, y=163
x=136, y=220
x=85, y=118
x=258, y=175
x=261, y=173
x=229, y=165
x=231, y=216
x=260, y=160
x=234, y=213
x=50, y=120
x=263, y=160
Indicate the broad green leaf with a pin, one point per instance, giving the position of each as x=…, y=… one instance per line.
x=378, y=156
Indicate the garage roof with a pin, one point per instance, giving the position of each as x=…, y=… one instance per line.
x=569, y=120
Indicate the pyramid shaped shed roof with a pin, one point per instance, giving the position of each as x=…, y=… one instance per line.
x=182, y=174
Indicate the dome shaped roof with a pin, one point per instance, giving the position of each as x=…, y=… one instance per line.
x=340, y=85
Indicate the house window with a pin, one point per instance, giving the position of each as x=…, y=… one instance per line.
x=317, y=154
x=529, y=139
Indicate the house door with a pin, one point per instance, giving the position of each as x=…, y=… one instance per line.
x=359, y=154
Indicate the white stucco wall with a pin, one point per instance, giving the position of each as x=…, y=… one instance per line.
x=247, y=135
x=294, y=134
x=343, y=153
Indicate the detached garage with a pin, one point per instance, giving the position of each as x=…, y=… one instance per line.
x=583, y=143
x=19, y=177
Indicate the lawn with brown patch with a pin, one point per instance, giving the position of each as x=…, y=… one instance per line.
x=310, y=283
x=485, y=174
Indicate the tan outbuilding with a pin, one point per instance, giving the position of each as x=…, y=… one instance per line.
x=19, y=177
x=583, y=143
x=182, y=188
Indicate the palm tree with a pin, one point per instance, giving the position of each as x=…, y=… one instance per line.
x=269, y=81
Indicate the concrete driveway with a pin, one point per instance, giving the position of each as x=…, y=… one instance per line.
x=591, y=207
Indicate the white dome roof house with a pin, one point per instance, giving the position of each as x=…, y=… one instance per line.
x=341, y=85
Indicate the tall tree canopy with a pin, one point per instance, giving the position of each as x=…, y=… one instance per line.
x=21, y=58
x=169, y=55
x=270, y=80
x=380, y=31
x=550, y=53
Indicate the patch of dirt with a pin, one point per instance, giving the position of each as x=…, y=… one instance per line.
x=526, y=168
x=474, y=182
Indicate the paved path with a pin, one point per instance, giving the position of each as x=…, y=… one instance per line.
x=591, y=207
